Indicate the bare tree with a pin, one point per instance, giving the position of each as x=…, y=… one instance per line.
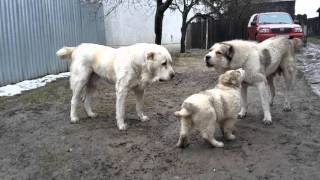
x=208, y=9
x=185, y=6
x=238, y=8
x=161, y=8
x=111, y=5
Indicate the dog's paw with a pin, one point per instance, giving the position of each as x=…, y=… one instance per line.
x=183, y=142
x=266, y=121
x=242, y=115
x=230, y=137
x=123, y=127
x=182, y=145
x=218, y=144
x=92, y=115
x=74, y=120
x=286, y=107
x=144, y=118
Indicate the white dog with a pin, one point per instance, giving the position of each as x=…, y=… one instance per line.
x=130, y=68
x=206, y=110
x=261, y=61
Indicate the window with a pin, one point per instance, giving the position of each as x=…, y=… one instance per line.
x=275, y=19
x=255, y=19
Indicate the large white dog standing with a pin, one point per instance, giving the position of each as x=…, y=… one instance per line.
x=261, y=61
x=130, y=68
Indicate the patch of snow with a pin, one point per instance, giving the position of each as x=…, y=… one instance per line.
x=13, y=89
x=316, y=89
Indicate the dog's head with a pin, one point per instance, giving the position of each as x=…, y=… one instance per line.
x=159, y=63
x=232, y=78
x=220, y=55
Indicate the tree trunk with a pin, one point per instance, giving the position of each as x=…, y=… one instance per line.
x=158, y=26
x=183, y=34
x=183, y=39
x=161, y=8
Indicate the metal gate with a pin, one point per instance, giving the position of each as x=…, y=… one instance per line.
x=204, y=33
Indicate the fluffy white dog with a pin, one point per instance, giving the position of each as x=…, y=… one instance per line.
x=211, y=108
x=129, y=68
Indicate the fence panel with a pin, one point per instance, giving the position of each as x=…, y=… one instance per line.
x=32, y=30
x=313, y=26
x=218, y=30
x=198, y=34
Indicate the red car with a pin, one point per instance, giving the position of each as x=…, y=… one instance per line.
x=265, y=25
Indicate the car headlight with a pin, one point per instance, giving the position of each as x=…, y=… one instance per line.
x=264, y=30
x=297, y=29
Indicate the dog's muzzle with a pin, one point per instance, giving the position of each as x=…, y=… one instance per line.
x=207, y=60
x=172, y=75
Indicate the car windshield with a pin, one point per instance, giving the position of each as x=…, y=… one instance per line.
x=275, y=19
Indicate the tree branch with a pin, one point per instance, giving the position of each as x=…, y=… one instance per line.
x=199, y=15
x=176, y=5
x=167, y=4
x=194, y=2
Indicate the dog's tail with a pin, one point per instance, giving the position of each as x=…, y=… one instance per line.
x=182, y=113
x=65, y=52
x=185, y=111
x=296, y=43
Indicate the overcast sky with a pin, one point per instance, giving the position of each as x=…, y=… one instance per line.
x=308, y=7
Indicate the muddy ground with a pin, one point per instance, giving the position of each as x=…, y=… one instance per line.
x=38, y=142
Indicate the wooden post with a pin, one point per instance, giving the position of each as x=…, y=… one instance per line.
x=318, y=29
x=207, y=32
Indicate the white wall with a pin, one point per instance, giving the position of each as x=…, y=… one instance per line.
x=128, y=25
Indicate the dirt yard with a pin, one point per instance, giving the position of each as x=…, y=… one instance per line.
x=38, y=142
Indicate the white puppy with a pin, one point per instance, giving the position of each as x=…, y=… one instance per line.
x=207, y=109
x=130, y=68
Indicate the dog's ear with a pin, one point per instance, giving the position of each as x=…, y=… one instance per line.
x=150, y=56
x=229, y=51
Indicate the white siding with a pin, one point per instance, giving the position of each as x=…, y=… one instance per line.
x=128, y=25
